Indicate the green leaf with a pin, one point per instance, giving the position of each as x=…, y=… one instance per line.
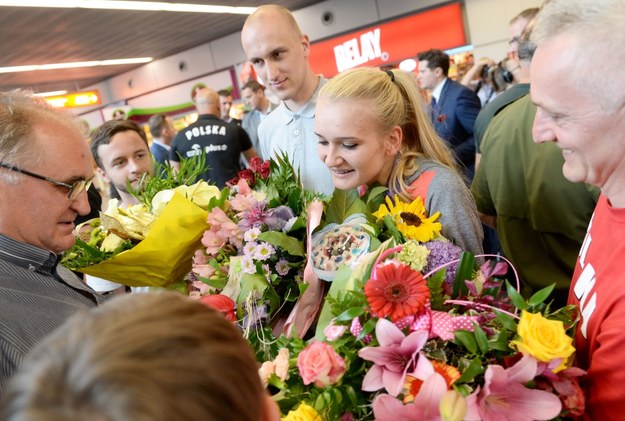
x=437, y=295
x=507, y=321
x=502, y=343
x=287, y=243
x=481, y=338
x=515, y=297
x=352, y=395
x=464, y=271
x=343, y=204
x=367, y=328
x=390, y=226
x=540, y=296
x=350, y=314
x=474, y=369
x=216, y=282
x=251, y=282
x=466, y=339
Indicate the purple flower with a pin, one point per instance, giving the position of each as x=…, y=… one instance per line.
x=282, y=267
x=277, y=218
x=442, y=252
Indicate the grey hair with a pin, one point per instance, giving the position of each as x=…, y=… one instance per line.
x=597, y=28
x=21, y=113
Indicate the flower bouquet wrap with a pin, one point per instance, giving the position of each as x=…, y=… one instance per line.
x=146, y=246
x=164, y=256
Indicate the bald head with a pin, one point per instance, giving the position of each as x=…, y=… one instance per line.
x=275, y=45
x=207, y=102
x=270, y=14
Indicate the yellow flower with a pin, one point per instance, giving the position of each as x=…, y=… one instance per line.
x=411, y=219
x=543, y=339
x=304, y=412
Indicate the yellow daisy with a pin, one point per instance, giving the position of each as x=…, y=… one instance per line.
x=411, y=219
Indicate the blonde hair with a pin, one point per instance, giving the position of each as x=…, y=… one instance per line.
x=398, y=102
x=154, y=357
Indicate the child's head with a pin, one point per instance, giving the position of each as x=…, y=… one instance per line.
x=372, y=124
x=156, y=356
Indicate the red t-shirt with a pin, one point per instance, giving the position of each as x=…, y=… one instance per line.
x=598, y=288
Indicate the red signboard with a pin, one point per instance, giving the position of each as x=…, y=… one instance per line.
x=389, y=42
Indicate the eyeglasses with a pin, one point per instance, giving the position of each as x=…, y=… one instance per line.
x=73, y=190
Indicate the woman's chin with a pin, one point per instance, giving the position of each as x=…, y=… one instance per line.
x=343, y=183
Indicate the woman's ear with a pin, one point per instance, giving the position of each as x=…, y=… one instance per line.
x=393, y=141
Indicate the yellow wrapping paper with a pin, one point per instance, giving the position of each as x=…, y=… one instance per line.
x=165, y=255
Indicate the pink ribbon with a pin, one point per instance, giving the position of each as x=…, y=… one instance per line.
x=308, y=305
x=440, y=323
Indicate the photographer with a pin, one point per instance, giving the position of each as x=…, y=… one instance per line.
x=479, y=79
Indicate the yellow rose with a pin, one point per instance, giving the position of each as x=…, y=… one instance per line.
x=304, y=412
x=543, y=339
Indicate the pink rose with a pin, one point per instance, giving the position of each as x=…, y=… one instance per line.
x=319, y=363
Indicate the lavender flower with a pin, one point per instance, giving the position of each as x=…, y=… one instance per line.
x=282, y=267
x=442, y=252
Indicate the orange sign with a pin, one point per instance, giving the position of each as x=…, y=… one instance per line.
x=76, y=99
x=390, y=42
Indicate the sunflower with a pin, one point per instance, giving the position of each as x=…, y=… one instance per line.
x=411, y=219
x=397, y=291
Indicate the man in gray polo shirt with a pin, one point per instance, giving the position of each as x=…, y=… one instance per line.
x=45, y=169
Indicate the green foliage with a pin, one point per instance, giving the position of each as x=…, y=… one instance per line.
x=82, y=254
x=287, y=243
x=190, y=170
x=464, y=272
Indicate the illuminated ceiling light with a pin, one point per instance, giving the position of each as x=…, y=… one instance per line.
x=155, y=6
x=53, y=66
x=51, y=93
x=408, y=65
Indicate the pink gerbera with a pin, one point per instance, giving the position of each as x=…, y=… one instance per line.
x=397, y=291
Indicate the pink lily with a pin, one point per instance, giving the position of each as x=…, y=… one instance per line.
x=396, y=356
x=505, y=397
x=425, y=407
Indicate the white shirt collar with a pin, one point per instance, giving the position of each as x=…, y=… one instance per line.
x=436, y=92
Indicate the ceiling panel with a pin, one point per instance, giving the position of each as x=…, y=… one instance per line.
x=49, y=35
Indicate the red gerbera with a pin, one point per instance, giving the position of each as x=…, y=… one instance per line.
x=397, y=291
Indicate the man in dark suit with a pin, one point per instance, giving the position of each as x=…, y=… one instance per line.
x=454, y=108
x=163, y=132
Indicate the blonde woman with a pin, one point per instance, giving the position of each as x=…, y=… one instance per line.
x=373, y=128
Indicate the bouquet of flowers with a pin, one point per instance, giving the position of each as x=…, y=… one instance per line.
x=417, y=330
x=148, y=244
x=253, y=250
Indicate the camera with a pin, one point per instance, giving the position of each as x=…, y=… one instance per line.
x=485, y=71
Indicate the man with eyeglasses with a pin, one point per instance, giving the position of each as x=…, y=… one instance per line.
x=45, y=168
